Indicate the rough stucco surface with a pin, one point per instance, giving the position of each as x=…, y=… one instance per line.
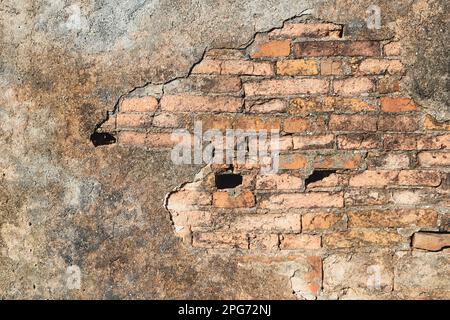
x=64, y=202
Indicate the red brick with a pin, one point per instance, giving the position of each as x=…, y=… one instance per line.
x=392, y=49
x=353, y=86
x=270, y=222
x=357, y=122
x=133, y=120
x=243, y=67
x=338, y=161
x=305, y=106
x=266, y=106
x=264, y=241
x=185, y=200
x=434, y=159
x=299, y=67
x=272, y=49
x=313, y=142
x=320, y=221
x=138, y=104
x=357, y=238
x=400, y=142
x=308, y=30
x=393, y=218
x=398, y=123
x=300, y=241
x=220, y=240
x=389, y=104
x=292, y=125
x=433, y=142
x=292, y=161
x=381, y=66
x=223, y=199
x=167, y=120
x=278, y=182
x=151, y=140
x=193, y=103
x=331, y=68
x=257, y=123
x=419, y=178
x=372, y=178
x=358, y=141
x=431, y=241
x=336, y=48
x=432, y=124
x=304, y=200
x=389, y=85
x=285, y=87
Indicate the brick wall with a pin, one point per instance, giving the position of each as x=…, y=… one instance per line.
x=364, y=178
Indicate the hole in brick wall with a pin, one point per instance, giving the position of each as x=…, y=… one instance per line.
x=318, y=175
x=102, y=138
x=228, y=180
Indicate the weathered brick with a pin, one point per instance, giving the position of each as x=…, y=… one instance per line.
x=340, y=160
x=138, y=104
x=185, y=200
x=419, y=178
x=223, y=199
x=381, y=66
x=331, y=68
x=300, y=241
x=400, y=142
x=393, y=218
x=366, y=197
x=336, y=48
x=340, y=104
x=188, y=219
x=264, y=241
x=306, y=106
x=357, y=122
x=370, y=178
x=431, y=124
x=225, y=54
x=353, y=86
x=330, y=181
x=398, y=123
x=388, y=161
x=292, y=161
x=257, y=123
x=266, y=106
x=191, y=103
x=267, y=222
x=133, y=120
x=204, y=83
x=150, y=140
x=167, y=120
x=271, y=49
x=389, y=85
x=309, y=30
x=356, y=238
x=434, y=159
x=293, y=125
x=233, y=67
x=285, y=87
x=304, y=200
x=358, y=141
x=392, y=49
x=313, y=221
x=279, y=182
x=299, y=67
x=244, y=67
x=313, y=142
x=433, y=142
x=389, y=104
x=431, y=241
x=219, y=240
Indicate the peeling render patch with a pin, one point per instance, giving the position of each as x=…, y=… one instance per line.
x=353, y=149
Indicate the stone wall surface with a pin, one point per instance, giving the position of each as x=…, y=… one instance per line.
x=91, y=205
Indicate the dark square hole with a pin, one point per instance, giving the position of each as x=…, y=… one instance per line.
x=228, y=180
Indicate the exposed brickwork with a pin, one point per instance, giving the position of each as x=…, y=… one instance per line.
x=339, y=108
